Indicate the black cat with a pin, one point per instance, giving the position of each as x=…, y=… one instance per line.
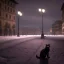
x=44, y=52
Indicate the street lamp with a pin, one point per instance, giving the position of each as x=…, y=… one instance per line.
x=42, y=11
x=19, y=14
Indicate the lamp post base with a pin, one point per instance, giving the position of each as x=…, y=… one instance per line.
x=18, y=35
x=42, y=36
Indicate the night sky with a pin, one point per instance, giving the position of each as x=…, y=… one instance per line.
x=32, y=17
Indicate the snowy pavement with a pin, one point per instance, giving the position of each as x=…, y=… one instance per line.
x=25, y=52
x=7, y=38
x=10, y=41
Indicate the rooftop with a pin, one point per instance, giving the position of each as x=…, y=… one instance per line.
x=62, y=6
x=14, y=1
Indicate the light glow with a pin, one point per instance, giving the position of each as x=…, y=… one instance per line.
x=39, y=9
x=19, y=13
x=43, y=10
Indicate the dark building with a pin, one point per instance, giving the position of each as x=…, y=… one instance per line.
x=57, y=27
x=30, y=31
x=62, y=9
x=7, y=17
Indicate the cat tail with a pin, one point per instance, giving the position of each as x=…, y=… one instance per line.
x=37, y=57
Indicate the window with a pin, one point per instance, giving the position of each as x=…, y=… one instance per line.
x=0, y=13
x=5, y=1
x=11, y=3
x=0, y=22
x=5, y=7
x=14, y=17
x=6, y=15
x=9, y=16
x=8, y=8
x=13, y=11
x=63, y=30
x=8, y=2
x=0, y=5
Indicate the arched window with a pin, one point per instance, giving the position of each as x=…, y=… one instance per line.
x=0, y=28
x=6, y=29
x=13, y=27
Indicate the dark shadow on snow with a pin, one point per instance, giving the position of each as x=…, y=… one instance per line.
x=44, y=61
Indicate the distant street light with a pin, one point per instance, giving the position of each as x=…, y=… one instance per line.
x=19, y=14
x=42, y=11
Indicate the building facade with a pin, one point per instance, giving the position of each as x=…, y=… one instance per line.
x=7, y=17
x=62, y=9
x=30, y=31
x=57, y=27
x=63, y=28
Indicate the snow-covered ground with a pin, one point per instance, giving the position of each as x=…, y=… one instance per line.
x=25, y=52
x=54, y=35
x=6, y=38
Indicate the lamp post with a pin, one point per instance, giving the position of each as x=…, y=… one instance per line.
x=42, y=11
x=19, y=14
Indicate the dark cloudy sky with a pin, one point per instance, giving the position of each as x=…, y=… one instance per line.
x=32, y=18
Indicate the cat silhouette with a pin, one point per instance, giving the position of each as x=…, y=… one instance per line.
x=44, y=52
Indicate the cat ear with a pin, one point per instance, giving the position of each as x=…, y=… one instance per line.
x=47, y=45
